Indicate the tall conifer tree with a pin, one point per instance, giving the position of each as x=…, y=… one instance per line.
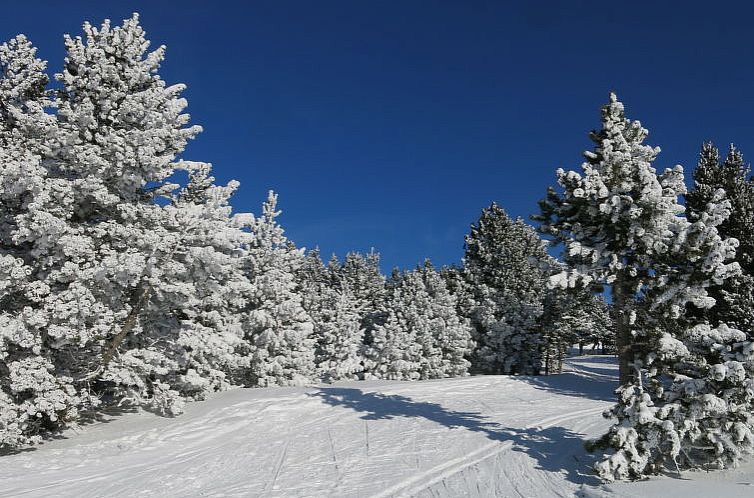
x=506, y=266
x=735, y=298
x=683, y=399
x=279, y=331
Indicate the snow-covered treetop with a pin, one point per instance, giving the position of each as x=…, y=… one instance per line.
x=124, y=124
x=617, y=212
x=22, y=75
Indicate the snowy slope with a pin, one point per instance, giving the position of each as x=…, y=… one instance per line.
x=476, y=436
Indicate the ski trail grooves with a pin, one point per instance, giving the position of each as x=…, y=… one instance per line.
x=417, y=483
x=476, y=436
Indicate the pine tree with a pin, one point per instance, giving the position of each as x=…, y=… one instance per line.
x=423, y=337
x=313, y=277
x=506, y=266
x=734, y=300
x=692, y=403
x=683, y=398
x=278, y=330
x=337, y=322
x=34, y=397
x=107, y=303
x=395, y=352
x=613, y=217
x=205, y=291
x=127, y=238
x=339, y=336
x=592, y=319
x=460, y=288
x=451, y=334
x=362, y=276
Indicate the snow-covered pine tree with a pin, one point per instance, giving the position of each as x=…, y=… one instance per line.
x=34, y=396
x=613, y=218
x=506, y=266
x=395, y=352
x=685, y=398
x=126, y=240
x=450, y=333
x=313, y=277
x=362, y=276
x=692, y=404
x=423, y=336
x=418, y=316
x=735, y=298
x=339, y=336
x=337, y=322
x=204, y=291
x=458, y=286
x=110, y=306
x=278, y=330
x=594, y=324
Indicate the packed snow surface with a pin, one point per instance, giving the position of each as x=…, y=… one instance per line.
x=475, y=436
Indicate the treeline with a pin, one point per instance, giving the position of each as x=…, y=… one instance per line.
x=496, y=314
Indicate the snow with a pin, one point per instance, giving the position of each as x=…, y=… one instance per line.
x=473, y=436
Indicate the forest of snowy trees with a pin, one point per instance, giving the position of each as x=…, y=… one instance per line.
x=126, y=279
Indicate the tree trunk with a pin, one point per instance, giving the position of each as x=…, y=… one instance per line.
x=128, y=325
x=622, y=301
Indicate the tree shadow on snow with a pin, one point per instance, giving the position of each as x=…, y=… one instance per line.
x=556, y=449
x=598, y=387
x=104, y=415
x=592, y=377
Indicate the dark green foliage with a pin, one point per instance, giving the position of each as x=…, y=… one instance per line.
x=735, y=298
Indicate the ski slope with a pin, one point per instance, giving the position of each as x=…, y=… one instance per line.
x=476, y=436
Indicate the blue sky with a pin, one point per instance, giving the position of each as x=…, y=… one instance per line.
x=390, y=124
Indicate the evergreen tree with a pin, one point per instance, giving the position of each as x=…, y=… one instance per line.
x=692, y=403
x=460, y=288
x=34, y=397
x=394, y=352
x=339, y=336
x=734, y=300
x=337, y=322
x=449, y=333
x=506, y=266
x=423, y=337
x=133, y=244
x=120, y=300
x=614, y=217
x=314, y=278
x=683, y=398
x=205, y=292
x=99, y=233
x=278, y=330
x=362, y=276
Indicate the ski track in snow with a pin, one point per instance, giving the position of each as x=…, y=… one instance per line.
x=474, y=436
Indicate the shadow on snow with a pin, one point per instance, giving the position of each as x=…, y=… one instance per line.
x=88, y=417
x=576, y=384
x=592, y=377
x=556, y=449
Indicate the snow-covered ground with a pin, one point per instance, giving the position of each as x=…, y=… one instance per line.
x=475, y=436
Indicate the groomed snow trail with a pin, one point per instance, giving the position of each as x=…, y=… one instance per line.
x=476, y=436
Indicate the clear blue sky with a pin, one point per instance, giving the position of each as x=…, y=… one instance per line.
x=390, y=124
